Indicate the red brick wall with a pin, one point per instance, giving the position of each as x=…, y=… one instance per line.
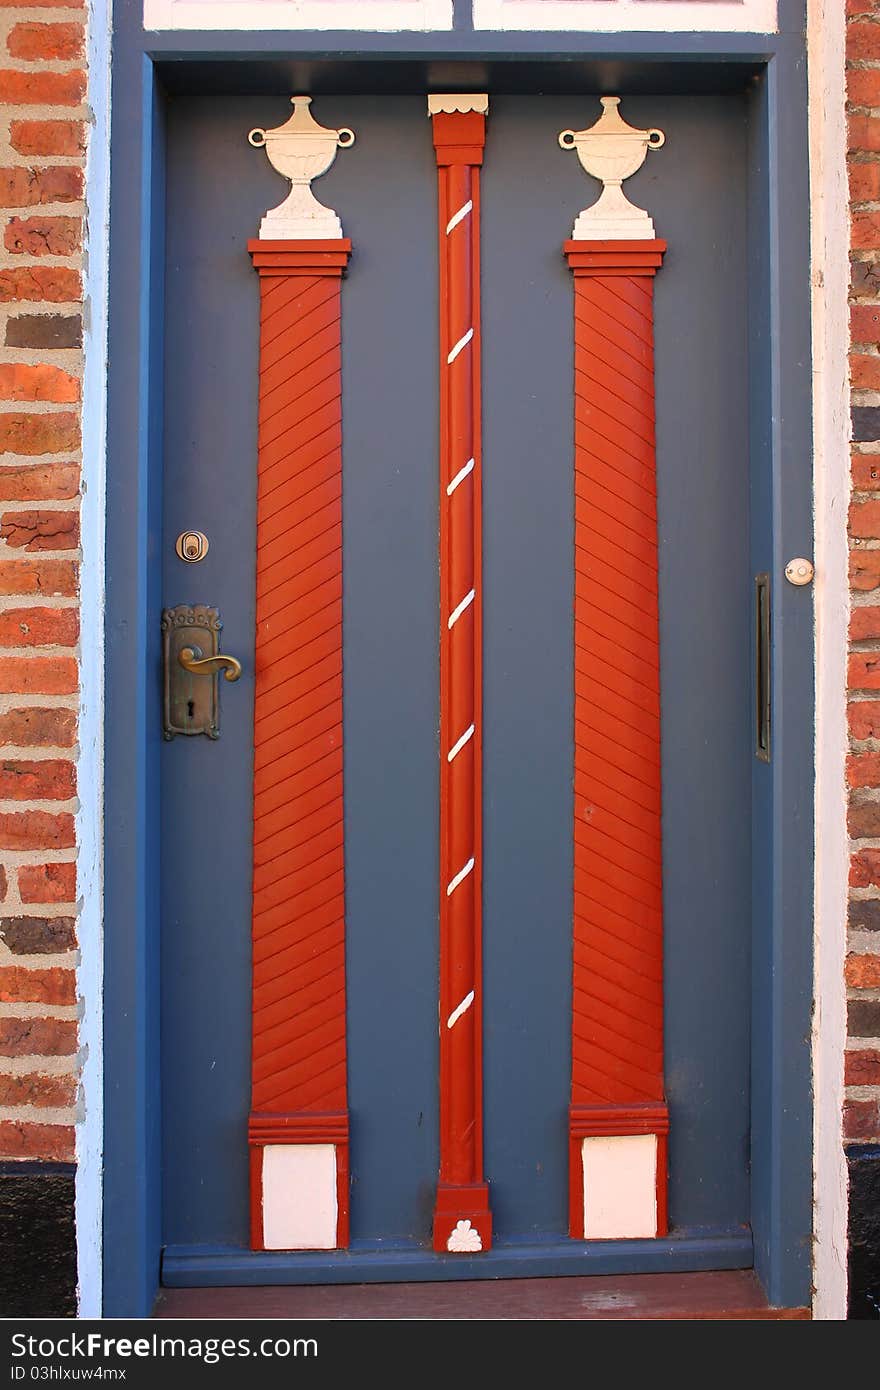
x=43, y=125
x=862, y=1075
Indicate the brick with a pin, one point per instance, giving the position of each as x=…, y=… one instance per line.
x=49, y=779
x=863, y=770
x=39, y=627
x=21, y=381
x=864, y=671
x=865, y=278
x=40, y=530
x=864, y=625
x=36, y=830
x=853, y=7
x=861, y=1119
x=862, y=41
x=864, y=868
x=35, y=1088
x=43, y=482
x=47, y=883
x=25, y=188
x=863, y=820
x=52, y=284
x=863, y=86
x=864, y=182
x=48, y=137
x=39, y=434
x=862, y=1068
x=35, y=531
x=865, y=472
x=864, y=915
x=60, y=43
x=864, y=372
x=863, y=136
x=38, y=936
x=45, y=236
x=37, y=1037
x=863, y=972
x=55, y=578
x=38, y=728
x=864, y=569
x=42, y=87
x=38, y=675
x=863, y=1018
x=865, y=423
x=44, y=331
x=50, y=1143
x=864, y=517
x=864, y=323
x=864, y=230
x=19, y=985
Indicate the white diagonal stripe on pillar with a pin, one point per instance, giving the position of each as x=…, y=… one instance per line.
x=459, y=877
x=462, y=343
x=457, y=612
x=457, y=747
x=459, y=216
x=460, y=477
x=462, y=1009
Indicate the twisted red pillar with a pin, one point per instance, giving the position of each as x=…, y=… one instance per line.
x=298, y=1129
x=618, y=1118
x=462, y=1220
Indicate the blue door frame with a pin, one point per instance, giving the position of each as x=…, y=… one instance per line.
x=773, y=69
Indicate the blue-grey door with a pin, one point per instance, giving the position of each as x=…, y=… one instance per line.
x=218, y=188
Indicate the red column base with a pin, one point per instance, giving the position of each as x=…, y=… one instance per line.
x=303, y=1128
x=462, y=1219
x=616, y=1122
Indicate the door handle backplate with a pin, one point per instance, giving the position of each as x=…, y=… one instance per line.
x=192, y=663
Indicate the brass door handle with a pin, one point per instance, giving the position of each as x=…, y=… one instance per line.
x=191, y=659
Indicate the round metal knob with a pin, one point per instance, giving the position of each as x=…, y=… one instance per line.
x=799, y=571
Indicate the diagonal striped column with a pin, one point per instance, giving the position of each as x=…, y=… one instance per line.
x=462, y=1220
x=618, y=1118
x=298, y=1128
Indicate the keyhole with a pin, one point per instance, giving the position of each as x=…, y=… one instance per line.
x=191, y=708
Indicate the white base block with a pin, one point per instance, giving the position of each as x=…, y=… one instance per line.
x=620, y=1186
x=299, y=1197
x=327, y=228
x=588, y=228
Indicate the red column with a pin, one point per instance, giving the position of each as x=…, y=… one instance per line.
x=617, y=1028
x=299, y=1094
x=462, y=1220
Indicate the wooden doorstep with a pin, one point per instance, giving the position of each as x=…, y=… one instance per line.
x=723, y=1295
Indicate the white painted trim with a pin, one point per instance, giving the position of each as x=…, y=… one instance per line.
x=90, y=818
x=830, y=276
x=628, y=16
x=299, y=1196
x=265, y=15
x=620, y=1186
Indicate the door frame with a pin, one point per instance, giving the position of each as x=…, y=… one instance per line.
x=772, y=67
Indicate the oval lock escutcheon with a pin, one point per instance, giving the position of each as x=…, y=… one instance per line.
x=192, y=546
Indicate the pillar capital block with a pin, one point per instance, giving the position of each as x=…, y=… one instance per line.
x=328, y=257
x=459, y=137
x=614, y=257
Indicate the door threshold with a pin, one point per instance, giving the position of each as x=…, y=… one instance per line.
x=721, y=1295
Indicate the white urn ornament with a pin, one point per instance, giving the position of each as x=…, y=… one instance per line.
x=301, y=150
x=611, y=151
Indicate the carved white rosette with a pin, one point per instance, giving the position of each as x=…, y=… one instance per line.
x=611, y=151
x=464, y=1239
x=301, y=150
